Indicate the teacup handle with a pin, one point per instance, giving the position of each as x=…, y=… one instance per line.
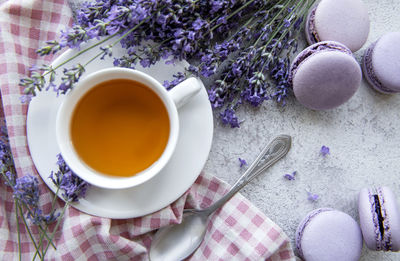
x=184, y=91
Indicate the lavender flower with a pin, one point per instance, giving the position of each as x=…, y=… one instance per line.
x=72, y=37
x=10, y=178
x=26, y=195
x=74, y=187
x=178, y=78
x=246, y=45
x=70, y=77
x=36, y=81
x=26, y=190
x=324, y=151
x=242, y=162
x=229, y=117
x=291, y=176
x=52, y=47
x=107, y=51
x=312, y=197
x=5, y=150
x=6, y=161
x=26, y=98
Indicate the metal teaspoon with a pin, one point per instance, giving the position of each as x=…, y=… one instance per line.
x=178, y=241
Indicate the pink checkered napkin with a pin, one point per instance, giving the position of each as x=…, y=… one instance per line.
x=239, y=231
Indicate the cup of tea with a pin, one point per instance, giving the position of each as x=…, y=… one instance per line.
x=119, y=127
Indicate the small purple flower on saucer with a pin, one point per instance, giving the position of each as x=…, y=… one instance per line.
x=324, y=151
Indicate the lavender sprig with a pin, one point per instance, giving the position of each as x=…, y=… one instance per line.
x=7, y=172
x=245, y=44
x=73, y=187
x=26, y=196
x=26, y=190
x=257, y=67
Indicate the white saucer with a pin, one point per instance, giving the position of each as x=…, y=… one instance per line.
x=194, y=143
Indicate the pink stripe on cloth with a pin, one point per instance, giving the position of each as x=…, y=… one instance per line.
x=238, y=231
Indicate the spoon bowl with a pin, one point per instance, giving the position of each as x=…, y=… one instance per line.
x=188, y=235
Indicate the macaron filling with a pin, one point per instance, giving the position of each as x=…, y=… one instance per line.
x=381, y=223
x=368, y=67
x=312, y=50
x=312, y=30
x=304, y=224
x=379, y=216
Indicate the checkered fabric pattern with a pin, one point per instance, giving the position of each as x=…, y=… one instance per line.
x=238, y=231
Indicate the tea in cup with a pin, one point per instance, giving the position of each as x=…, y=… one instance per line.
x=119, y=127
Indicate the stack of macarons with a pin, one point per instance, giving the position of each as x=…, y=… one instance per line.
x=326, y=234
x=344, y=21
x=326, y=74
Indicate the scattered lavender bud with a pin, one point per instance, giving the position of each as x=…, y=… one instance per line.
x=312, y=197
x=324, y=151
x=11, y=178
x=242, y=162
x=290, y=176
x=26, y=98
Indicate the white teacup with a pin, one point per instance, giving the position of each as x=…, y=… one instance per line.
x=172, y=100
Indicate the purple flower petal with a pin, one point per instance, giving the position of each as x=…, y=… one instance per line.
x=290, y=176
x=324, y=151
x=312, y=197
x=74, y=187
x=242, y=162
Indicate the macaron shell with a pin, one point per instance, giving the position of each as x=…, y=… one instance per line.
x=304, y=223
x=326, y=80
x=393, y=215
x=344, y=21
x=390, y=210
x=307, y=28
x=367, y=220
x=369, y=73
x=331, y=236
x=386, y=60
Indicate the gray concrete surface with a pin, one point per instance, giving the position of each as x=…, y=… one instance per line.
x=363, y=136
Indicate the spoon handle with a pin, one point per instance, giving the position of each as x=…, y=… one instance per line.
x=273, y=152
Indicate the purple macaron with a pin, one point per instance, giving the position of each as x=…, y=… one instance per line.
x=325, y=75
x=379, y=219
x=326, y=234
x=344, y=21
x=381, y=63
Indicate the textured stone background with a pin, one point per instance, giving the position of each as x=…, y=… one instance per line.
x=363, y=136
